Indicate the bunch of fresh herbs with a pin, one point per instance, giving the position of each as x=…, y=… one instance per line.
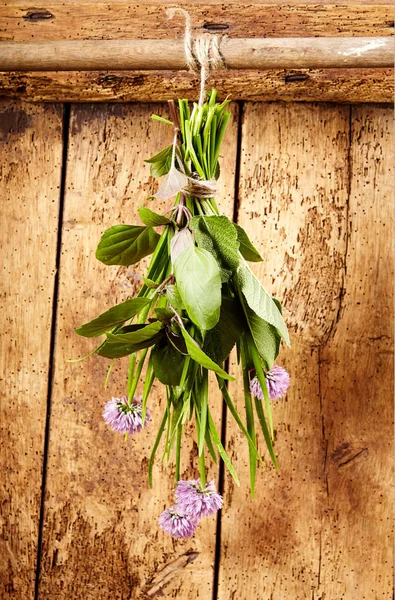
x=199, y=299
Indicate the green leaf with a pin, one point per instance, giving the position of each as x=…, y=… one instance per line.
x=155, y=446
x=160, y=163
x=218, y=236
x=219, y=341
x=260, y=301
x=199, y=284
x=150, y=283
x=173, y=296
x=203, y=409
x=266, y=337
x=130, y=339
x=176, y=339
x=247, y=250
x=221, y=449
x=151, y=218
x=114, y=316
x=126, y=244
x=163, y=314
x=197, y=354
x=167, y=363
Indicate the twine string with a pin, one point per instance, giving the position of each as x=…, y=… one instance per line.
x=203, y=53
x=200, y=189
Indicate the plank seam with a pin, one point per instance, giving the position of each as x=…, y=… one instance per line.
x=51, y=364
x=221, y=477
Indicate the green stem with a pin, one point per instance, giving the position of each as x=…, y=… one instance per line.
x=202, y=470
x=136, y=376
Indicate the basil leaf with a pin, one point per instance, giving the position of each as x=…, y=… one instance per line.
x=167, y=363
x=197, y=354
x=247, y=250
x=114, y=316
x=260, y=301
x=218, y=236
x=160, y=163
x=199, y=285
x=126, y=244
x=130, y=339
x=151, y=218
x=219, y=341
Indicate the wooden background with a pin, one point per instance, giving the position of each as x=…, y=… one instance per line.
x=313, y=185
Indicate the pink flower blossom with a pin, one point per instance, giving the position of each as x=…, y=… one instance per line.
x=176, y=522
x=193, y=500
x=124, y=417
x=277, y=381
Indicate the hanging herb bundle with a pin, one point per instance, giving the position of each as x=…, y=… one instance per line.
x=199, y=300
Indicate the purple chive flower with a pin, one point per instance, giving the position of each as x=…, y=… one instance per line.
x=123, y=417
x=193, y=500
x=277, y=381
x=176, y=522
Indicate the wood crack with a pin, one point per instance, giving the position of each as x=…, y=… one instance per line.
x=352, y=458
x=342, y=291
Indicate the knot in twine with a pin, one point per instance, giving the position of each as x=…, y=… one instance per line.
x=203, y=53
x=200, y=189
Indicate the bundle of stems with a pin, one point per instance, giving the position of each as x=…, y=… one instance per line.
x=199, y=299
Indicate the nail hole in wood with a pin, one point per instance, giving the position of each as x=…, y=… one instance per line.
x=38, y=15
x=295, y=77
x=216, y=27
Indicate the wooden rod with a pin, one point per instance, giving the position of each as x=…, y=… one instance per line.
x=267, y=53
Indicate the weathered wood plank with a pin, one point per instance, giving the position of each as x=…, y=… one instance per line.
x=293, y=198
x=30, y=171
x=146, y=20
x=101, y=537
x=357, y=379
x=330, y=85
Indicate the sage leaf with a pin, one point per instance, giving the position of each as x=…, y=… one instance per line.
x=126, y=244
x=218, y=236
x=247, y=250
x=160, y=163
x=114, y=316
x=151, y=218
x=266, y=338
x=260, y=301
x=197, y=354
x=199, y=285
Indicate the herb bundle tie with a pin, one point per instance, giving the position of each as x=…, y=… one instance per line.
x=203, y=53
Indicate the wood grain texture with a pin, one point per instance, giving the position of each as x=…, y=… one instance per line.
x=30, y=167
x=236, y=53
x=315, y=190
x=330, y=85
x=357, y=379
x=101, y=537
x=148, y=20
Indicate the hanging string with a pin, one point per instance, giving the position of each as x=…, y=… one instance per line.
x=203, y=53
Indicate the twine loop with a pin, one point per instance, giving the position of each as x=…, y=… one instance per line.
x=203, y=53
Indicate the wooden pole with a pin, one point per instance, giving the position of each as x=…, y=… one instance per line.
x=267, y=53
